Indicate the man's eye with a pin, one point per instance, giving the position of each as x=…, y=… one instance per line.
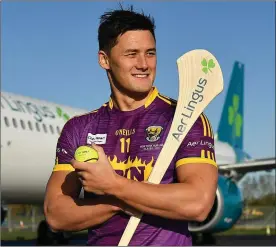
x=151, y=53
x=131, y=54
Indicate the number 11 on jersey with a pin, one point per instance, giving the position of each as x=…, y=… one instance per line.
x=125, y=143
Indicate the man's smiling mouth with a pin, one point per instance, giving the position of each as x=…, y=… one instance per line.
x=140, y=75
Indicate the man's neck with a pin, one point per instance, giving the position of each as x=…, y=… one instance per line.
x=126, y=102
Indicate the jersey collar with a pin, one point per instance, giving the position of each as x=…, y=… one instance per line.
x=148, y=102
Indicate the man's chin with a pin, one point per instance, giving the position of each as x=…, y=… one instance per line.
x=142, y=87
x=141, y=91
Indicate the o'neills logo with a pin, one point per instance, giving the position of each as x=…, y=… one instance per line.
x=197, y=96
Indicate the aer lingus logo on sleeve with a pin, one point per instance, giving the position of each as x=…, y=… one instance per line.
x=234, y=117
x=62, y=114
x=207, y=65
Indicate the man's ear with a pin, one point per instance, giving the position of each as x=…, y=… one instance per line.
x=103, y=60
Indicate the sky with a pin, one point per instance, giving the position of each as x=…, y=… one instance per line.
x=49, y=51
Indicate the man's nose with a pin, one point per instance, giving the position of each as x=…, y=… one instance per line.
x=142, y=62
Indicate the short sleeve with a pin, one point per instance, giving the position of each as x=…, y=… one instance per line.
x=66, y=146
x=198, y=145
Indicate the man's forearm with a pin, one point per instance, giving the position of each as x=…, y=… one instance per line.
x=175, y=201
x=67, y=214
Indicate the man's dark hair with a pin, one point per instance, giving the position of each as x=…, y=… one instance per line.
x=117, y=22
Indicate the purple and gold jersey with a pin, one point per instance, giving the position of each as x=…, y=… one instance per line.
x=132, y=140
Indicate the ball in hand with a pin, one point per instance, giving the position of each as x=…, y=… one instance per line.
x=86, y=154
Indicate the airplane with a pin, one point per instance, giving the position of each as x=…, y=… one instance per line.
x=30, y=129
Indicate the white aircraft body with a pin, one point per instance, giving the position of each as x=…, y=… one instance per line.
x=29, y=132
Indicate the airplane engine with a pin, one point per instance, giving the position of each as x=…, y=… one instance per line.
x=226, y=210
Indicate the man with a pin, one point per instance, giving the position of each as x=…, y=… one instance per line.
x=128, y=132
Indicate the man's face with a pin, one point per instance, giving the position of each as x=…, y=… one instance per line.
x=132, y=61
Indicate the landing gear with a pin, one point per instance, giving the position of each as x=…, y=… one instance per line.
x=3, y=215
x=203, y=239
x=46, y=237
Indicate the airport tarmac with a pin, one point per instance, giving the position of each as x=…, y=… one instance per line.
x=243, y=240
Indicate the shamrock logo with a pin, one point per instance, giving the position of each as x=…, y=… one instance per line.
x=62, y=114
x=234, y=118
x=207, y=65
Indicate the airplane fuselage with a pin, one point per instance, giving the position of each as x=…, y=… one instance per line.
x=29, y=132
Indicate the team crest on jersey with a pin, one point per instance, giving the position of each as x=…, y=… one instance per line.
x=153, y=133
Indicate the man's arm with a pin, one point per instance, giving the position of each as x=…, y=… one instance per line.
x=63, y=208
x=65, y=211
x=190, y=199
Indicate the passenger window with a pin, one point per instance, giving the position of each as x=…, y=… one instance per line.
x=44, y=128
x=22, y=124
x=30, y=125
x=7, y=121
x=14, y=123
x=37, y=126
x=51, y=129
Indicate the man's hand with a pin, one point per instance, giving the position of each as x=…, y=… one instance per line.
x=98, y=177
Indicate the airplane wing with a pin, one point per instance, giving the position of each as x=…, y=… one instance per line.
x=249, y=166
